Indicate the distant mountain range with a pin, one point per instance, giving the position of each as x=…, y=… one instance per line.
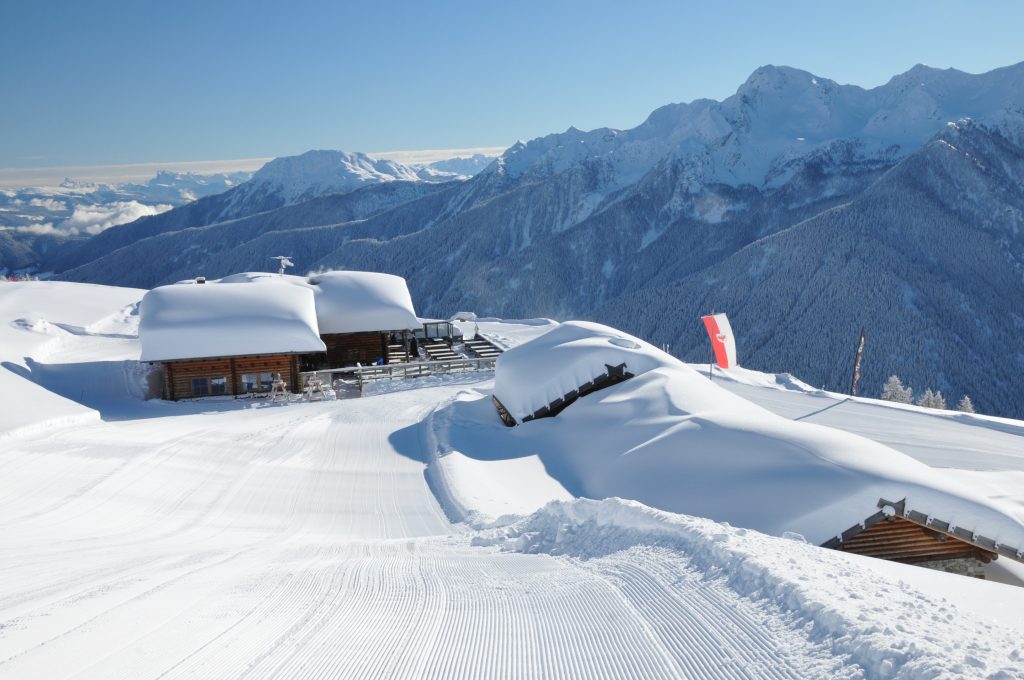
x=803, y=208
x=39, y=224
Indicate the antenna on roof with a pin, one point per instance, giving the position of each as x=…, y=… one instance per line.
x=283, y=261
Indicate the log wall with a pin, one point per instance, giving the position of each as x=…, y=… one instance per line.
x=178, y=375
x=347, y=349
x=901, y=540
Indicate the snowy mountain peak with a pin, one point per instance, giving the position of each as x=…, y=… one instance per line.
x=778, y=116
x=323, y=171
x=773, y=77
x=291, y=179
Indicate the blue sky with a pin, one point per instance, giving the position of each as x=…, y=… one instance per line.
x=105, y=82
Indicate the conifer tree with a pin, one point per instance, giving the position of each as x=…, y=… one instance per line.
x=927, y=399
x=965, y=405
x=893, y=390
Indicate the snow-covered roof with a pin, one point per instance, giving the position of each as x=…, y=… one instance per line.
x=674, y=440
x=355, y=302
x=202, y=321
x=534, y=374
x=349, y=301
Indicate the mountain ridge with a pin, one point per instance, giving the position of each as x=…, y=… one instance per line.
x=593, y=224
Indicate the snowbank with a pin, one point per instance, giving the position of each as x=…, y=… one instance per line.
x=44, y=324
x=674, y=440
x=903, y=625
x=199, y=321
x=534, y=374
x=482, y=492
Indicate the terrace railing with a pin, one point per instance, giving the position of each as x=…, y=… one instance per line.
x=359, y=376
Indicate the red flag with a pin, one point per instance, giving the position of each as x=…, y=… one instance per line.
x=724, y=344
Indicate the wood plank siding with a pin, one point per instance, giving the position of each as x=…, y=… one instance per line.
x=348, y=349
x=901, y=540
x=188, y=378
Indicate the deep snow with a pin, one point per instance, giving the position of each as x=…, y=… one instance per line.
x=207, y=320
x=226, y=538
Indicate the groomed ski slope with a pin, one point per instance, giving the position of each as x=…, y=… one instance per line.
x=303, y=541
x=216, y=539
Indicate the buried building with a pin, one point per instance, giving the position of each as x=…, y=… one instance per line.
x=633, y=422
x=227, y=340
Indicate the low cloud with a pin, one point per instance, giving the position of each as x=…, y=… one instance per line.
x=51, y=204
x=41, y=228
x=92, y=219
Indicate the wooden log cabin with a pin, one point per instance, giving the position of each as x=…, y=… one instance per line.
x=898, y=534
x=214, y=340
x=358, y=314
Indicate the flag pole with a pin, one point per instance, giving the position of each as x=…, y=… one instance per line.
x=711, y=357
x=856, y=364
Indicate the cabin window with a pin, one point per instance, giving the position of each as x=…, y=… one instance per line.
x=200, y=387
x=219, y=385
x=257, y=382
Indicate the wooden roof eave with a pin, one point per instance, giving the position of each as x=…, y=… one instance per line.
x=934, y=525
x=235, y=356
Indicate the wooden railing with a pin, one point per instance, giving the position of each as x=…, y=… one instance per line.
x=360, y=375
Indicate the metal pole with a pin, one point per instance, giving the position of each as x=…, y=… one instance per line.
x=856, y=364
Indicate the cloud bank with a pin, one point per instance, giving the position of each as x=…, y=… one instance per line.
x=92, y=219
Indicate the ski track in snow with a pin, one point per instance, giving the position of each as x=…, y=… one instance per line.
x=303, y=541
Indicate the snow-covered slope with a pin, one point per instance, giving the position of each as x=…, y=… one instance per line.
x=226, y=538
x=303, y=230
x=674, y=440
x=43, y=325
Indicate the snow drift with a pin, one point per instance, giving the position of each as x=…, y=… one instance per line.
x=532, y=375
x=673, y=440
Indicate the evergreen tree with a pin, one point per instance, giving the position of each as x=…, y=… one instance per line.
x=926, y=399
x=938, y=401
x=965, y=405
x=893, y=390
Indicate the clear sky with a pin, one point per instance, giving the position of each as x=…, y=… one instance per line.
x=130, y=82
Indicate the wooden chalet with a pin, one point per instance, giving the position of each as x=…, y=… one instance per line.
x=360, y=316
x=227, y=339
x=900, y=535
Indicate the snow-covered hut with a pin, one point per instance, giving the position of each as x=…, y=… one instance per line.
x=540, y=378
x=227, y=340
x=359, y=312
x=664, y=435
